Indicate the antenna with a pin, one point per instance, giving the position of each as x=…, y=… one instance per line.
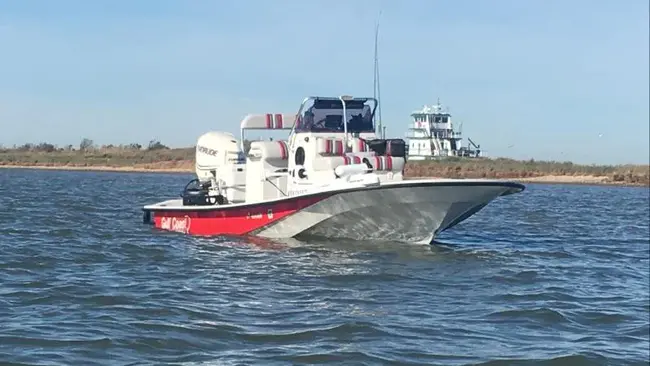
x=376, y=93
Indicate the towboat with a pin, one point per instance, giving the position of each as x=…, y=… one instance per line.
x=332, y=177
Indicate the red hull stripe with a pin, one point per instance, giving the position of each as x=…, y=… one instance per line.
x=389, y=163
x=231, y=221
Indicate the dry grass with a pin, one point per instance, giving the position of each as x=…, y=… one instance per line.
x=138, y=159
x=531, y=170
x=183, y=160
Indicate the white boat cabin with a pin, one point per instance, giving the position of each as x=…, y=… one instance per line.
x=331, y=141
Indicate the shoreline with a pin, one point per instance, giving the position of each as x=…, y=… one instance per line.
x=542, y=179
x=100, y=168
x=583, y=180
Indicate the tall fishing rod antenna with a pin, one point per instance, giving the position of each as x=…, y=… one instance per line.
x=376, y=92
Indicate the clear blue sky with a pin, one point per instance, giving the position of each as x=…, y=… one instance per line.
x=536, y=79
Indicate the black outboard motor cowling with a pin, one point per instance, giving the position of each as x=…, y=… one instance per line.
x=377, y=145
x=396, y=147
x=383, y=147
x=196, y=197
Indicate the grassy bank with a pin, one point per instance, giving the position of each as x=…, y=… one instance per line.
x=132, y=157
x=157, y=157
x=532, y=170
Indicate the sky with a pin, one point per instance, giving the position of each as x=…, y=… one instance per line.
x=534, y=79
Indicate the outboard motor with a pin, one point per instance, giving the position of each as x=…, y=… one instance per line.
x=198, y=194
x=219, y=168
x=215, y=150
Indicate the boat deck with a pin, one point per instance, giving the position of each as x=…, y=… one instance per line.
x=177, y=204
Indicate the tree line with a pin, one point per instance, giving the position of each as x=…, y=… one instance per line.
x=85, y=145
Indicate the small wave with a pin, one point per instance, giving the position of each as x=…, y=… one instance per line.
x=637, y=332
x=602, y=317
x=196, y=329
x=543, y=295
x=515, y=277
x=543, y=315
x=571, y=360
x=338, y=357
x=60, y=341
x=341, y=332
x=555, y=253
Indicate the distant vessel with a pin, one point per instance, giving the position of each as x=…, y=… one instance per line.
x=431, y=135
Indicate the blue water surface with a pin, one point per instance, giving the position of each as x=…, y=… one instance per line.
x=557, y=275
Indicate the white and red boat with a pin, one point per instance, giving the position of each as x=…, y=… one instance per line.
x=332, y=177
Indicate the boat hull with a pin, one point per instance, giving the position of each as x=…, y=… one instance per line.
x=408, y=211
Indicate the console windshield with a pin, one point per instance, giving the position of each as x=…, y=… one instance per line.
x=326, y=115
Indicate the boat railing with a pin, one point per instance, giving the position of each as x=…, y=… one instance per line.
x=276, y=174
x=232, y=185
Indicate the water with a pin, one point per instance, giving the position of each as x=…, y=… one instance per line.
x=557, y=275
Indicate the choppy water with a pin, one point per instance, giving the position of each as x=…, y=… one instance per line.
x=557, y=275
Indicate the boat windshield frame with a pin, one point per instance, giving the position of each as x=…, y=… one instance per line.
x=304, y=121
